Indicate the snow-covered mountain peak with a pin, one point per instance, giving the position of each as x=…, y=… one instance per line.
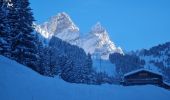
x=65, y=22
x=98, y=43
x=60, y=26
x=63, y=15
x=98, y=29
x=100, y=33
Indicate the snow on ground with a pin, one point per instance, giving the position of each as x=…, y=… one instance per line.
x=18, y=82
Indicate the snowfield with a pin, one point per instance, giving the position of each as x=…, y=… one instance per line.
x=18, y=82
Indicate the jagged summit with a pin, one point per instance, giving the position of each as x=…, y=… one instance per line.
x=100, y=32
x=60, y=26
x=98, y=28
x=98, y=43
x=62, y=15
x=65, y=22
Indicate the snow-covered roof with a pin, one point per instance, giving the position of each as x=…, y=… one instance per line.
x=148, y=70
x=167, y=83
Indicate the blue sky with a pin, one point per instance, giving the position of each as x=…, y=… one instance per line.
x=132, y=24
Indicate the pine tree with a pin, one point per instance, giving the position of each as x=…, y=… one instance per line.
x=50, y=60
x=24, y=47
x=68, y=72
x=2, y=18
x=89, y=64
x=40, y=58
x=5, y=43
x=2, y=27
x=90, y=69
x=46, y=60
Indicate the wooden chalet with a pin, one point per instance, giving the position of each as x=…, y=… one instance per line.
x=142, y=77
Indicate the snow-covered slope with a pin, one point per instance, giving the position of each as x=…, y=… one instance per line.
x=18, y=82
x=157, y=57
x=60, y=26
x=98, y=43
x=104, y=66
x=160, y=53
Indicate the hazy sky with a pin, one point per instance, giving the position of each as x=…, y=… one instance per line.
x=131, y=24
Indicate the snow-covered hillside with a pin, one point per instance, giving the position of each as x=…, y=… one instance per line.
x=159, y=53
x=96, y=42
x=157, y=58
x=18, y=82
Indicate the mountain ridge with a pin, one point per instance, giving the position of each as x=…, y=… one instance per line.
x=96, y=42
